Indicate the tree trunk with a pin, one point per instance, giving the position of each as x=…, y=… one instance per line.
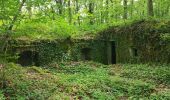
x=91, y=9
x=8, y=30
x=125, y=9
x=16, y=16
x=60, y=6
x=150, y=8
x=77, y=11
x=131, y=10
x=107, y=12
x=69, y=11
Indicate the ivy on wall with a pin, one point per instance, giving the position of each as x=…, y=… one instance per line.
x=146, y=36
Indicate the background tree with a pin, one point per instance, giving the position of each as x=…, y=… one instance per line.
x=82, y=13
x=125, y=15
x=150, y=8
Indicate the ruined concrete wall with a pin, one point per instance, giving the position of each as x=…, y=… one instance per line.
x=147, y=37
x=53, y=51
x=48, y=51
x=122, y=49
x=60, y=50
x=122, y=44
x=140, y=42
x=97, y=48
x=143, y=36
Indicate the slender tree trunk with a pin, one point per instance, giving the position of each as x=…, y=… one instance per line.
x=16, y=16
x=131, y=10
x=143, y=10
x=29, y=9
x=107, y=11
x=77, y=11
x=91, y=9
x=112, y=6
x=116, y=11
x=53, y=13
x=101, y=17
x=8, y=30
x=69, y=11
x=60, y=6
x=101, y=12
x=150, y=8
x=125, y=9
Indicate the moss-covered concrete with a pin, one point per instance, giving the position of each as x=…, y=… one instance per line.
x=98, y=50
x=145, y=36
x=140, y=42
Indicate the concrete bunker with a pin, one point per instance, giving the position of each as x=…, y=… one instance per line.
x=28, y=58
x=125, y=44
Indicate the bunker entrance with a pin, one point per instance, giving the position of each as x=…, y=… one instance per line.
x=86, y=54
x=113, y=52
x=28, y=58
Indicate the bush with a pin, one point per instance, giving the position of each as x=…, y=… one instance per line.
x=2, y=95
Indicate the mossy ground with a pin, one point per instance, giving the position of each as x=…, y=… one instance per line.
x=87, y=81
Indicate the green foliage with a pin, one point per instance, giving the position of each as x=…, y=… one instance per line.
x=2, y=95
x=37, y=29
x=53, y=51
x=161, y=96
x=56, y=29
x=51, y=19
x=159, y=74
x=79, y=80
x=165, y=37
x=30, y=86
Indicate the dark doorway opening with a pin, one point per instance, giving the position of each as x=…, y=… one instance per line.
x=28, y=58
x=86, y=53
x=113, y=46
x=135, y=52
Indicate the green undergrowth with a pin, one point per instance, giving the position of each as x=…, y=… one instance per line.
x=155, y=73
x=87, y=81
x=2, y=96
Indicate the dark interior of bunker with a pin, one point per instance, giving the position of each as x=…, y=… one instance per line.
x=28, y=58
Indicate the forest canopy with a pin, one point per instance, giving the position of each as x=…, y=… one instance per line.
x=63, y=18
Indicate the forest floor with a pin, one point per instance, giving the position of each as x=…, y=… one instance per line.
x=87, y=81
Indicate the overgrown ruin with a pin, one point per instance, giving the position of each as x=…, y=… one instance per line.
x=140, y=42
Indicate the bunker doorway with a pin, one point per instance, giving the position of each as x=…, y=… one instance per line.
x=28, y=58
x=86, y=54
x=113, y=52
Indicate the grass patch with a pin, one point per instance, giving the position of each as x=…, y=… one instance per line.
x=83, y=80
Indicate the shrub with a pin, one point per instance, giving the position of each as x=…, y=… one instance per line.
x=2, y=95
